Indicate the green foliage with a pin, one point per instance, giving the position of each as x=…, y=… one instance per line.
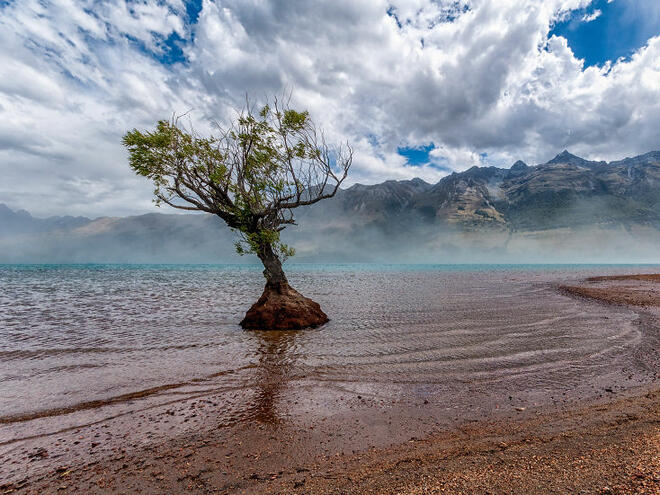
x=251, y=175
x=169, y=152
x=251, y=242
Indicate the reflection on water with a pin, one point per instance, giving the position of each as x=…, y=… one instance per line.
x=277, y=360
x=75, y=335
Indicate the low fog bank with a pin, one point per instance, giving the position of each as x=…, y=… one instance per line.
x=152, y=238
x=157, y=238
x=597, y=244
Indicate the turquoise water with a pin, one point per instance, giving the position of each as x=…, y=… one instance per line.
x=297, y=267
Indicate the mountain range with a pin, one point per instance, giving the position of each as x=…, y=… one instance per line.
x=568, y=209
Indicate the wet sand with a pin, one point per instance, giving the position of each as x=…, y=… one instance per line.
x=608, y=442
x=636, y=290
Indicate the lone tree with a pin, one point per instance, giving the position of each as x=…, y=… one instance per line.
x=252, y=175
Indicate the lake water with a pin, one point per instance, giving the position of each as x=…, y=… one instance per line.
x=95, y=336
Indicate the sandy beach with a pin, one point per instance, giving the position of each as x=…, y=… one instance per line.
x=607, y=441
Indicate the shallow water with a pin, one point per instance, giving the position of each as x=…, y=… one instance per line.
x=78, y=337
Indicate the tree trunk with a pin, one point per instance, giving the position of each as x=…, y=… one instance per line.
x=275, y=277
x=281, y=307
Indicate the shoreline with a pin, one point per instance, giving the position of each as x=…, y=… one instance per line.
x=607, y=444
x=617, y=289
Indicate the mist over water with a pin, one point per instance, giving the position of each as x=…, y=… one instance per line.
x=415, y=243
x=70, y=335
x=203, y=239
x=350, y=228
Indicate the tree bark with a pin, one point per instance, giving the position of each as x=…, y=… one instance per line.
x=281, y=307
x=275, y=277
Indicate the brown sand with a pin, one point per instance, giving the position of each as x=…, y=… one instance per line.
x=611, y=445
x=600, y=448
x=636, y=290
x=646, y=277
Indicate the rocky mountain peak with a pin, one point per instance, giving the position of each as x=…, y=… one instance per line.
x=566, y=157
x=519, y=168
x=6, y=212
x=419, y=182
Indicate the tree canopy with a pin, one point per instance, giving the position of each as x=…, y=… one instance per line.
x=252, y=173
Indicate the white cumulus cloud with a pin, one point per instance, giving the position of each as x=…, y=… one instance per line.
x=593, y=16
x=483, y=81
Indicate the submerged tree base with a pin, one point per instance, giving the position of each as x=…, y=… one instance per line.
x=283, y=308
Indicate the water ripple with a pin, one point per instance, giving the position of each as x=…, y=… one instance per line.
x=87, y=335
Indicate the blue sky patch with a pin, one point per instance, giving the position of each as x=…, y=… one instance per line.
x=392, y=13
x=172, y=47
x=608, y=30
x=420, y=155
x=416, y=156
x=193, y=8
x=172, y=50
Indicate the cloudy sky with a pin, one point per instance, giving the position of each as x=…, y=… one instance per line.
x=419, y=87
